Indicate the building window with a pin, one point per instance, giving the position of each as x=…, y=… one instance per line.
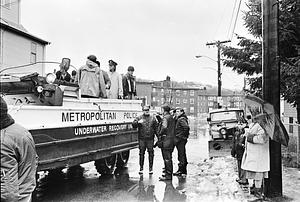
x=177, y=92
x=192, y=109
x=291, y=127
x=153, y=90
x=33, y=53
x=192, y=92
x=210, y=104
x=184, y=101
x=192, y=101
x=184, y=93
x=177, y=101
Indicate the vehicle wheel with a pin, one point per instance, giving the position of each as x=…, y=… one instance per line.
x=106, y=166
x=56, y=174
x=75, y=172
x=122, y=159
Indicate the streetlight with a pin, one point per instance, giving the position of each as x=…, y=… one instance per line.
x=200, y=56
x=219, y=70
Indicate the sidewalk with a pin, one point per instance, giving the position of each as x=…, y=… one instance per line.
x=215, y=180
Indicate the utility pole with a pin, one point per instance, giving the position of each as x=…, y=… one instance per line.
x=271, y=89
x=218, y=44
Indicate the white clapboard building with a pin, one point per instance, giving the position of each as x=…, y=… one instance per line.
x=17, y=46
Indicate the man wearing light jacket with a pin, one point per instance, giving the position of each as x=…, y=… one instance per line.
x=18, y=159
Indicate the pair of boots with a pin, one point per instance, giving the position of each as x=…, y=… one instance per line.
x=142, y=158
x=181, y=170
x=165, y=176
x=257, y=192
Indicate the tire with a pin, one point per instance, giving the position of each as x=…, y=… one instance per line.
x=75, y=172
x=123, y=159
x=107, y=165
x=56, y=174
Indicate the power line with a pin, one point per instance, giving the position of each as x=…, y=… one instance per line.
x=236, y=17
x=231, y=18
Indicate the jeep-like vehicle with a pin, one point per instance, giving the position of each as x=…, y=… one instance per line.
x=222, y=122
x=222, y=126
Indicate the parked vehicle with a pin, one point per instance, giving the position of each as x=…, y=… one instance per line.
x=69, y=130
x=222, y=126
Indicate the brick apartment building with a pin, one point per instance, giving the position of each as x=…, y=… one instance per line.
x=194, y=100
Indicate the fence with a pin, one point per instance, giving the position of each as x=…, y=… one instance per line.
x=291, y=154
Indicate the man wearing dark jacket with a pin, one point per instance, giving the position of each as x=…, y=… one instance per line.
x=147, y=128
x=182, y=130
x=18, y=159
x=129, y=85
x=166, y=136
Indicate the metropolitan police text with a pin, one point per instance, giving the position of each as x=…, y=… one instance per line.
x=87, y=116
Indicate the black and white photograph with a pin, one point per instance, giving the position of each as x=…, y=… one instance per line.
x=150, y=100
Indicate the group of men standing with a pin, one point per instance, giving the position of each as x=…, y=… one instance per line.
x=94, y=82
x=172, y=130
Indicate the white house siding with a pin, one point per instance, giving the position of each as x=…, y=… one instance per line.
x=16, y=51
x=292, y=152
x=11, y=12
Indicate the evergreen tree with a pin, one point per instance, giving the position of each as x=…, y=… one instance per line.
x=247, y=57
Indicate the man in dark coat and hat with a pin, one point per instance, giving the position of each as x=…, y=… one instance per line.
x=182, y=131
x=166, y=135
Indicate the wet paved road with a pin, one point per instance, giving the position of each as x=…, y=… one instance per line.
x=207, y=180
x=127, y=184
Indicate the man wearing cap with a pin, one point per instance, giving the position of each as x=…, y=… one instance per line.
x=166, y=135
x=129, y=86
x=90, y=79
x=182, y=131
x=116, y=88
x=147, y=128
x=18, y=159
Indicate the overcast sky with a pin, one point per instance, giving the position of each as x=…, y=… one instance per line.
x=157, y=37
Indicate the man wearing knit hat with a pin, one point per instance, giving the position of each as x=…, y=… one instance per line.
x=18, y=159
x=90, y=79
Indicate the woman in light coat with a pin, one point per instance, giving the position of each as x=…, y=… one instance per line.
x=256, y=158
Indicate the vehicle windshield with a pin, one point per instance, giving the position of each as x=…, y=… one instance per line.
x=221, y=116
